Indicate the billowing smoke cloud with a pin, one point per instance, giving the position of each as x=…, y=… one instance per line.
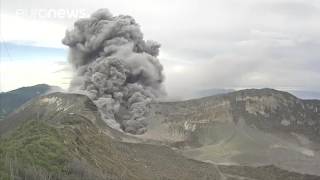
x=116, y=68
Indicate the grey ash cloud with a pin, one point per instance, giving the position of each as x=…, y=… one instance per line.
x=116, y=68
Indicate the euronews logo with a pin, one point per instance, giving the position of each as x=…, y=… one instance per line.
x=51, y=13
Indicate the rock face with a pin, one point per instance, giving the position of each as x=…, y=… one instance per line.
x=251, y=127
x=266, y=109
x=89, y=149
x=271, y=110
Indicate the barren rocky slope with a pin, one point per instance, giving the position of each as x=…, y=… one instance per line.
x=248, y=127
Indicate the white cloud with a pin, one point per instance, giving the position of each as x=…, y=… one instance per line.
x=15, y=74
x=207, y=43
x=31, y=31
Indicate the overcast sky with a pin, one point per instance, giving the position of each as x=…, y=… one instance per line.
x=205, y=43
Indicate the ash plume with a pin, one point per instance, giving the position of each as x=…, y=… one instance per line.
x=116, y=68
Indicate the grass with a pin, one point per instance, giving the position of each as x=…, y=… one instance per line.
x=34, y=144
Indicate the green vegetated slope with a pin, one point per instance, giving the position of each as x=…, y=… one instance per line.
x=10, y=101
x=33, y=147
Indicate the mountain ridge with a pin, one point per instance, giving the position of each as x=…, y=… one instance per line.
x=11, y=100
x=248, y=127
x=95, y=151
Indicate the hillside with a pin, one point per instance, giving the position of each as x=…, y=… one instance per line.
x=61, y=136
x=248, y=127
x=11, y=100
